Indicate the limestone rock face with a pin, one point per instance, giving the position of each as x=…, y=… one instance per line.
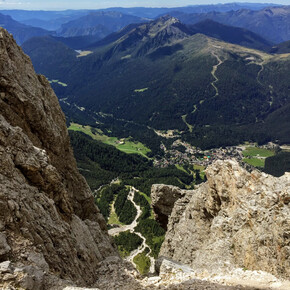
x=235, y=219
x=163, y=200
x=50, y=229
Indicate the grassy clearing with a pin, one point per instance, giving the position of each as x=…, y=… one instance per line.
x=255, y=162
x=58, y=82
x=113, y=218
x=260, y=152
x=140, y=90
x=125, y=145
x=146, y=196
x=143, y=263
x=180, y=167
x=190, y=127
x=84, y=53
x=201, y=170
x=126, y=56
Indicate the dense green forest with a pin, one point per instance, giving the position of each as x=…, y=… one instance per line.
x=127, y=242
x=153, y=233
x=101, y=163
x=279, y=164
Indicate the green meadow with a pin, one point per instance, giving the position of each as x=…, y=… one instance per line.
x=126, y=145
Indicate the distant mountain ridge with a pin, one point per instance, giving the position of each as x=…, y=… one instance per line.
x=236, y=35
x=21, y=32
x=97, y=23
x=51, y=20
x=272, y=23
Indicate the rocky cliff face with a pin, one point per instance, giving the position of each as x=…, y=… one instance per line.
x=50, y=229
x=163, y=200
x=236, y=219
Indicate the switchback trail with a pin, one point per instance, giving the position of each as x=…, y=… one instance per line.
x=213, y=72
x=117, y=231
x=259, y=73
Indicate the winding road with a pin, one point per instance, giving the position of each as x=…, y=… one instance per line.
x=117, y=231
x=213, y=72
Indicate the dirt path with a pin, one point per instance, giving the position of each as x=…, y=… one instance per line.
x=259, y=73
x=190, y=127
x=117, y=231
x=213, y=72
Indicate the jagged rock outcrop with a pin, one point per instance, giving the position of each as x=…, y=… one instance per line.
x=236, y=219
x=51, y=233
x=163, y=200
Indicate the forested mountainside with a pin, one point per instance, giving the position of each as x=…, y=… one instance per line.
x=159, y=75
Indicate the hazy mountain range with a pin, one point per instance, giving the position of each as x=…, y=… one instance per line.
x=52, y=20
x=272, y=23
x=21, y=32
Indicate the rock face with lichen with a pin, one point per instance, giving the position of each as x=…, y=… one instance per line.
x=51, y=233
x=236, y=219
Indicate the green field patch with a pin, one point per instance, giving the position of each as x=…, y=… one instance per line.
x=113, y=218
x=201, y=170
x=127, y=242
x=143, y=263
x=126, y=56
x=62, y=84
x=146, y=196
x=126, y=145
x=255, y=162
x=190, y=127
x=140, y=90
x=84, y=53
x=58, y=82
x=180, y=167
x=257, y=152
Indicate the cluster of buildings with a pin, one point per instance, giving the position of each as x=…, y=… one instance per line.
x=195, y=156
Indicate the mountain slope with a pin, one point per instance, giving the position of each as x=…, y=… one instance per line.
x=272, y=23
x=21, y=32
x=283, y=47
x=161, y=76
x=231, y=34
x=97, y=23
x=52, y=234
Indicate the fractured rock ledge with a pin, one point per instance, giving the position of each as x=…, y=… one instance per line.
x=235, y=220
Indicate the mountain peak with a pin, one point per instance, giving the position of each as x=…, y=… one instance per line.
x=167, y=18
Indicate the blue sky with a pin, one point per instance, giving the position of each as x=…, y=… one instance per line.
x=95, y=4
